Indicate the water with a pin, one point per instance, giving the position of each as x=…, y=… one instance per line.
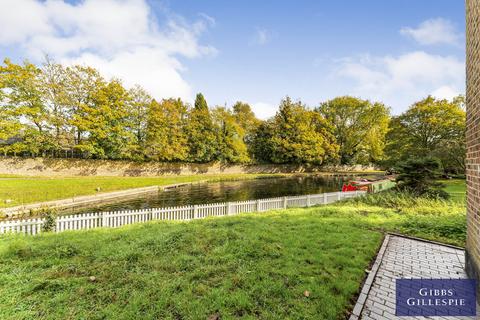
x=212, y=192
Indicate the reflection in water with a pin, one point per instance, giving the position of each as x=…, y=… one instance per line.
x=212, y=192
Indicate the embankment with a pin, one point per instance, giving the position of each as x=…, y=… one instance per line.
x=76, y=167
x=88, y=200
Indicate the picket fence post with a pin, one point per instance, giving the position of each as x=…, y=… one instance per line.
x=339, y=196
x=308, y=200
x=258, y=206
x=229, y=208
x=285, y=202
x=195, y=212
x=104, y=219
x=325, y=200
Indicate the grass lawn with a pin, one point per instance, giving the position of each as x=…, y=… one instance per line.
x=24, y=190
x=250, y=266
x=457, y=188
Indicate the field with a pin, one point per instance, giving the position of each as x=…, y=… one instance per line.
x=24, y=190
x=251, y=265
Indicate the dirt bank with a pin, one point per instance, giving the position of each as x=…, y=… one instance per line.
x=75, y=167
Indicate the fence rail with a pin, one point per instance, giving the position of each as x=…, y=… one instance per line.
x=185, y=213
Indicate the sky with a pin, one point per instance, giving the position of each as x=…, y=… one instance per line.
x=396, y=52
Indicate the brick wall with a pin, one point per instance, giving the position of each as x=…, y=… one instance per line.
x=473, y=137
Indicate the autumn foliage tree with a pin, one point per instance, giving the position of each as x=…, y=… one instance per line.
x=166, y=136
x=429, y=128
x=359, y=127
x=296, y=135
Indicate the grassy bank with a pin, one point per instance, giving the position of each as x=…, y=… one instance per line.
x=252, y=266
x=24, y=190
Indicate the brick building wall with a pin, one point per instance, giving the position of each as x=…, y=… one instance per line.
x=473, y=137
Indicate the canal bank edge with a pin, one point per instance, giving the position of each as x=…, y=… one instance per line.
x=108, y=168
x=78, y=202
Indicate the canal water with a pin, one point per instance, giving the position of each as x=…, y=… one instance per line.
x=212, y=192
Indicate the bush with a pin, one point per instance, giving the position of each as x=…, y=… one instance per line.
x=419, y=177
x=50, y=219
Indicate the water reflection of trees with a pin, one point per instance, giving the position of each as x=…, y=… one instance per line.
x=231, y=191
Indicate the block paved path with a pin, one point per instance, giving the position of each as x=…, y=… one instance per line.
x=401, y=257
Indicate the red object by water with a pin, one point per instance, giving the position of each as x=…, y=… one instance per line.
x=348, y=187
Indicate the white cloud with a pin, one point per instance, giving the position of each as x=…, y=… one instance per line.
x=445, y=92
x=400, y=81
x=121, y=38
x=260, y=37
x=264, y=110
x=433, y=31
x=20, y=19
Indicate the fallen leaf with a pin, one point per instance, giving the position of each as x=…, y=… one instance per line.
x=214, y=316
x=306, y=293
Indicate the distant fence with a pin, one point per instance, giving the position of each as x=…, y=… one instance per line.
x=120, y=218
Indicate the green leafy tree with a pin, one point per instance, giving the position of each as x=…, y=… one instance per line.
x=138, y=111
x=10, y=125
x=201, y=135
x=230, y=136
x=106, y=121
x=24, y=99
x=82, y=84
x=261, y=146
x=53, y=78
x=296, y=135
x=247, y=120
x=359, y=128
x=429, y=128
x=166, y=137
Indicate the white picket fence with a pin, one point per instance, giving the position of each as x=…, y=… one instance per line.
x=120, y=218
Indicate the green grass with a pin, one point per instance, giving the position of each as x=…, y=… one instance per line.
x=438, y=220
x=255, y=266
x=37, y=189
x=252, y=266
x=457, y=188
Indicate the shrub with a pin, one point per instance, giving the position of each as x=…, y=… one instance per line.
x=50, y=219
x=419, y=176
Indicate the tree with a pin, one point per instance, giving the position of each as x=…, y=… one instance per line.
x=106, y=121
x=429, y=128
x=23, y=97
x=419, y=176
x=359, y=128
x=166, y=138
x=201, y=136
x=53, y=78
x=296, y=135
x=138, y=110
x=261, y=146
x=245, y=117
x=82, y=83
x=230, y=136
x=10, y=125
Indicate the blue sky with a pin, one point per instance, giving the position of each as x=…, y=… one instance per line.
x=394, y=51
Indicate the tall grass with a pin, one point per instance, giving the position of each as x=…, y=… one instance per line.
x=434, y=219
x=404, y=202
